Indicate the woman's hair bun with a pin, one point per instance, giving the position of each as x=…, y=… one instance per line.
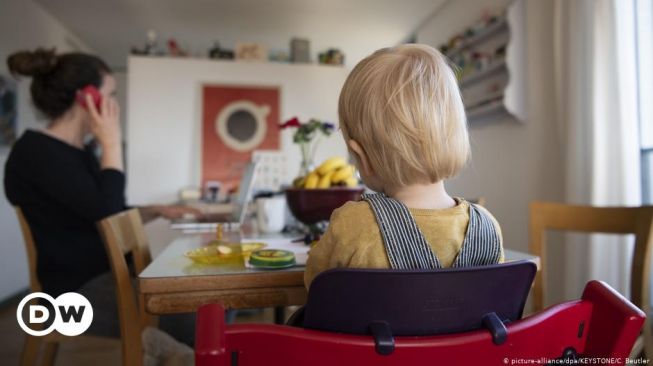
x=32, y=63
x=57, y=78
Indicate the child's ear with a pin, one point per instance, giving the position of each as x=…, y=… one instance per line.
x=361, y=157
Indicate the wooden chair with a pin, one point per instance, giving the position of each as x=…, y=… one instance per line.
x=123, y=233
x=32, y=346
x=615, y=220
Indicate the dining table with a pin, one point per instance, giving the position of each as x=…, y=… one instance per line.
x=173, y=283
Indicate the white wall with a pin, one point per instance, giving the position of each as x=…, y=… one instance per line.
x=512, y=163
x=164, y=116
x=121, y=96
x=23, y=25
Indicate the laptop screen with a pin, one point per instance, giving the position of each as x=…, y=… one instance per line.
x=244, y=192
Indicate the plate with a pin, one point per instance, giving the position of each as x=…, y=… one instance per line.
x=272, y=259
x=223, y=253
x=273, y=267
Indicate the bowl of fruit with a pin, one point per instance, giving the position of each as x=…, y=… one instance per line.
x=315, y=196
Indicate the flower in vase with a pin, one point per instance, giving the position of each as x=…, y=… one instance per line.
x=306, y=137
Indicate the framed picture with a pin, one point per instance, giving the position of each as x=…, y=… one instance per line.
x=236, y=120
x=8, y=108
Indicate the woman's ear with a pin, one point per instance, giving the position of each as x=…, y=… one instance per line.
x=361, y=157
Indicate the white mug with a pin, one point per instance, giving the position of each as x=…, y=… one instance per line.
x=271, y=214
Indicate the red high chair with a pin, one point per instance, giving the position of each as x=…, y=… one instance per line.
x=603, y=325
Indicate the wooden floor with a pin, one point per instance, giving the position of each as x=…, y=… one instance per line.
x=87, y=350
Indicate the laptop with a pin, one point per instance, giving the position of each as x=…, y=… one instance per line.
x=235, y=217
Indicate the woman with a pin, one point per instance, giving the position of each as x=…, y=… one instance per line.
x=54, y=176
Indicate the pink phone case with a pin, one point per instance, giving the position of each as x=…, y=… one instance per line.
x=93, y=91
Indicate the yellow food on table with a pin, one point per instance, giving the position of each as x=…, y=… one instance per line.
x=312, y=180
x=331, y=164
x=325, y=180
x=223, y=253
x=299, y=182
x=351, y=182
x=334, y=172
x=343, y=174
x=224, y=250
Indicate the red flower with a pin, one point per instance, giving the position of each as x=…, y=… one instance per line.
x=294, y=122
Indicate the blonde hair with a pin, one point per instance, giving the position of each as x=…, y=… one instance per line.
x=403, y=106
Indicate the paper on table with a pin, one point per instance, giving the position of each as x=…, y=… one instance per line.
x=299, y=248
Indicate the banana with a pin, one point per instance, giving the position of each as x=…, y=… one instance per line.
x=299, y=182
x=311, y=181
x=325, y=180
x=331, y=164
x=351, y=182
x=343, y=173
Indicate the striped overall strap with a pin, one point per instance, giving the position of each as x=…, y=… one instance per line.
x=482, y=245
x=403, y=241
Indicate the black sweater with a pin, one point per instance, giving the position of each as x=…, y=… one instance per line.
x=63, y=193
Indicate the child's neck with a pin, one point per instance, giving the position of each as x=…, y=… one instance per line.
x=429, y=196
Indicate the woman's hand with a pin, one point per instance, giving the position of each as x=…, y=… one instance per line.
x=178, y=212
x=105, y=123
x=171, y=212
x=105, y=126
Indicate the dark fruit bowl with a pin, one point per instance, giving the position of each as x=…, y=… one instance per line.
x=314, y=205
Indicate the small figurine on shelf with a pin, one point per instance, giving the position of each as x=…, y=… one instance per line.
x=279, y=56
x=500, y=52
x=151, y=47
x=247, y=51
x=481, y=60
x=174, y=49
x=220, y=53
x=456, y=41
x=300, y=50
x=332, y=56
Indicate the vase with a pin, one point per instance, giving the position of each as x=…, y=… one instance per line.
x=306, y=166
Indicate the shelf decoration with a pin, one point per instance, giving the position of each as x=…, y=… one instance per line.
x=218, y=53
x=251, y=51
x=332, y=56
x=490, y=61
x=151, y=47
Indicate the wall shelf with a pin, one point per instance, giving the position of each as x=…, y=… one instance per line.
x=485, y=110
x=494, y=66
x=486, y=99
x=491, y=30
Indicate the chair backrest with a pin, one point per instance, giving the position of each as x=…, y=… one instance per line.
x=123, y=233
x=616, y=220
x=30, y=248
x=417, y=302
x=601, y=325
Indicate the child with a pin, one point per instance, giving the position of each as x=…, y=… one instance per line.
x=403, y=120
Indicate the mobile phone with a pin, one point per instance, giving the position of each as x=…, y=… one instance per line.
x=93, y=92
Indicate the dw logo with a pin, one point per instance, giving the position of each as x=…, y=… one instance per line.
x=69, y=314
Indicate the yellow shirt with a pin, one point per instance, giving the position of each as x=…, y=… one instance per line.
x=353, y=239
